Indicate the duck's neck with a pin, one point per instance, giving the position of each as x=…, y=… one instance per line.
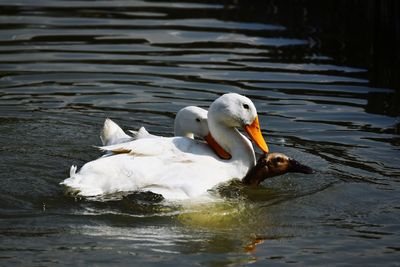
x=235, y=143
x=178, y=130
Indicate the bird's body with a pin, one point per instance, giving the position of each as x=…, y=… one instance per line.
x=190, y=121
x=177, y=167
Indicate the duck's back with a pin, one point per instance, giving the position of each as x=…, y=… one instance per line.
x=173, y=167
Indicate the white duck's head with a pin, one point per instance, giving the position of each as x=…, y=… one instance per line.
x=191, y=121
x=234, y=111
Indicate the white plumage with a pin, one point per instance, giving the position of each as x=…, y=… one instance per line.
x=177, y=167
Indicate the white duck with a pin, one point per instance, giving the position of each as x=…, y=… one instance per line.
x=189, y=121
x=177, y=167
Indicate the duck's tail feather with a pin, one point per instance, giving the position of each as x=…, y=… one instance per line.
x=141, y=133
x=112, y=133
x=72, y=171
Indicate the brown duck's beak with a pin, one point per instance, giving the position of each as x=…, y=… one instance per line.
x=254, y=132
x=295, y=166
x=216, y=147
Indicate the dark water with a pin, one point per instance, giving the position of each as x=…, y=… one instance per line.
x=67, y=65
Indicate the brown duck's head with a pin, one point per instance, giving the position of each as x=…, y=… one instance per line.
x=273, y=164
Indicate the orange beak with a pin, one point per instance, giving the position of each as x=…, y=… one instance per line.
x=216, y=147
x=254, y=132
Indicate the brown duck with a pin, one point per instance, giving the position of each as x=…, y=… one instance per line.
x=273, y=164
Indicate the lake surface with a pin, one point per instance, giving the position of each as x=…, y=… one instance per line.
x=65, y=66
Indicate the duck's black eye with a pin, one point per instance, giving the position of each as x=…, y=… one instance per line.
x=197, y=119
x=277, y=160
x=245, y=106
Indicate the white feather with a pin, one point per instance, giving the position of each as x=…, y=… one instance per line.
x=176, y=167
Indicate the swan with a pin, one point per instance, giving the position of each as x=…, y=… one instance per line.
x=177, y=167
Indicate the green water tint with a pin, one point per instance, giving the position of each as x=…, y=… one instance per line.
x=220, y=214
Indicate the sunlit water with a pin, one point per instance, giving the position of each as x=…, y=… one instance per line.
x=65, y=66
